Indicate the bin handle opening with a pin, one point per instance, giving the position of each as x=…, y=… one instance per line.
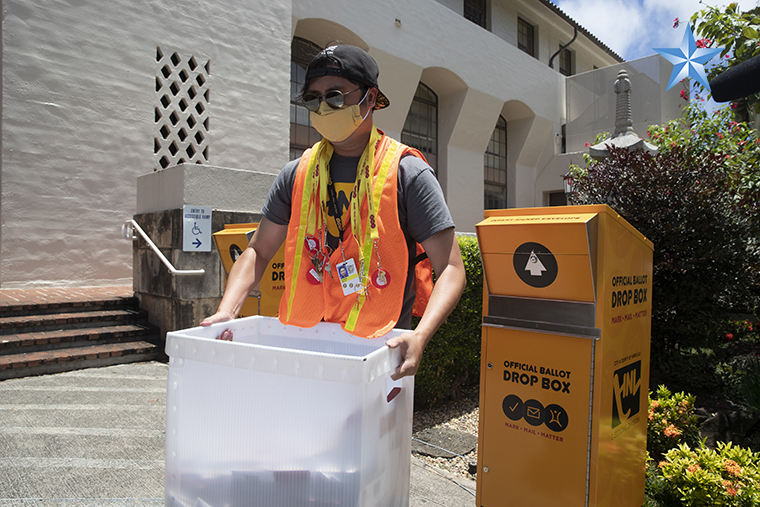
x=393, y=387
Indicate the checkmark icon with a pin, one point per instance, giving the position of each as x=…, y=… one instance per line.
x=512, y=406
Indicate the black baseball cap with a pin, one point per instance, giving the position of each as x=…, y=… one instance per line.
x=352, y=63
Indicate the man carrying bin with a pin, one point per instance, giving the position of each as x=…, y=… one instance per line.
x=353, y=212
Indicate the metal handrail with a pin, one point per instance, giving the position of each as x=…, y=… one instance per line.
x=129, y=235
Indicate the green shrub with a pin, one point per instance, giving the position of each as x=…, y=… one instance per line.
x=671, y=422
x=681, y=472
x=657, y=491
x=746, y=330
x=697, y=202
x=749, y=387
x=451, y=362
x=706, y=477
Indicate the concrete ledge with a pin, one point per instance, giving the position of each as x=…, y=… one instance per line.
x=203, y=185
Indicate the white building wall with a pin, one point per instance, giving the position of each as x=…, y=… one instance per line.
x=79, y=96
x=78, y=119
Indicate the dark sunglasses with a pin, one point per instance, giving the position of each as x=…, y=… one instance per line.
x=334, y=98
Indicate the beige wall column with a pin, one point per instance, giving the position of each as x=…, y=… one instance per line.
x=526, y=140
x=398, y=81
x=467, y=142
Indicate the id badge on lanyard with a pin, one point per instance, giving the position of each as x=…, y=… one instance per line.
x=349, y=278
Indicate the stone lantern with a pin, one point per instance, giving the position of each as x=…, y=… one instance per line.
x=624, y=136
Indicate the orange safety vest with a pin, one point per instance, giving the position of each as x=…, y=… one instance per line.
x=304, y=304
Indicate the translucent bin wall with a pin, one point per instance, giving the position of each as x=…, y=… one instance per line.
x=285, y=417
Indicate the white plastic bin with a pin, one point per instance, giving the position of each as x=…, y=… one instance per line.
x=285, y=417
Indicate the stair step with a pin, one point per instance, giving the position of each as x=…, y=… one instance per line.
x=73, y=320
x=51, y=330
x=46, y=307
x=55, y=361
x=67, y=338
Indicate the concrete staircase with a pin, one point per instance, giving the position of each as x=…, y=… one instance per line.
x=53, y=330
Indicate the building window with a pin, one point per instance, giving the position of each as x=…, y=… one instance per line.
x=566, y=62
x=421, y=125
x=557, y=199
x=302, y=134
x=495, y=168
x=475, y=11
x=525, y=37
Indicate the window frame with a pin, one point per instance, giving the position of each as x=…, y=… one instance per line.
x=565, y=61
x=496, y=150
x=527, y=29
x=430, y=135
x=476, y=11
x=301, y=53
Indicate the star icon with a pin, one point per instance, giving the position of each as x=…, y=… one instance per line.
x=688, y=60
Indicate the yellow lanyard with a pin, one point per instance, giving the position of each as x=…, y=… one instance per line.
x=317, y=179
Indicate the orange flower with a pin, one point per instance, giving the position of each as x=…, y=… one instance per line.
x=732, y=467
x=693, y=468
x=671, y=431
x=730, y=489
x=662, y=464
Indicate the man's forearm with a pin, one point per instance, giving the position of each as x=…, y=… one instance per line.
x=244, y=275
x=447, y=290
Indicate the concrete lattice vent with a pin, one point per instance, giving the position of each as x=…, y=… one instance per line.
x=181, y=110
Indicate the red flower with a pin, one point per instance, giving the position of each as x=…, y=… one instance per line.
x=587, y=145
x=676, y=23
x=733, y=105
x=684, y=95
x=729, y=337
x=703, y=43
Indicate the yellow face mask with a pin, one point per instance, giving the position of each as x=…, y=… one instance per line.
x=337, y=125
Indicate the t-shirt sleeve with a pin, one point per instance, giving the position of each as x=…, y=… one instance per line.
x=423, y=207
x=277, y=206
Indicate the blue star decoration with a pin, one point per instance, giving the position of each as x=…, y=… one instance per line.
x=688, y=60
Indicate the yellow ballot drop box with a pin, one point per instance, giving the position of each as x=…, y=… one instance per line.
x=565, y=358
x=265, y=297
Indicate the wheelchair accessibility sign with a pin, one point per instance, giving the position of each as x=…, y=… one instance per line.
x=196, y=228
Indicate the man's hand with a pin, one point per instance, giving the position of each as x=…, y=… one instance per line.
x=219, y=317
x=412, y=346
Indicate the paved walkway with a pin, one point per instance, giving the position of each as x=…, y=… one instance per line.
x=96, y=438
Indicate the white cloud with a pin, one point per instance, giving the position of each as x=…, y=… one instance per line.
x=633, y=28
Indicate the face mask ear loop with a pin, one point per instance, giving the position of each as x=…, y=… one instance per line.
x=360, y=103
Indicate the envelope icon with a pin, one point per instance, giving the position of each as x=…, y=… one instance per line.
x=534, y=412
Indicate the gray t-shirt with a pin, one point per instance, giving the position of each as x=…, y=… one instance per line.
x=422, y=211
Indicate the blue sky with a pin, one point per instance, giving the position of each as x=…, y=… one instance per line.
x=632, y=28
